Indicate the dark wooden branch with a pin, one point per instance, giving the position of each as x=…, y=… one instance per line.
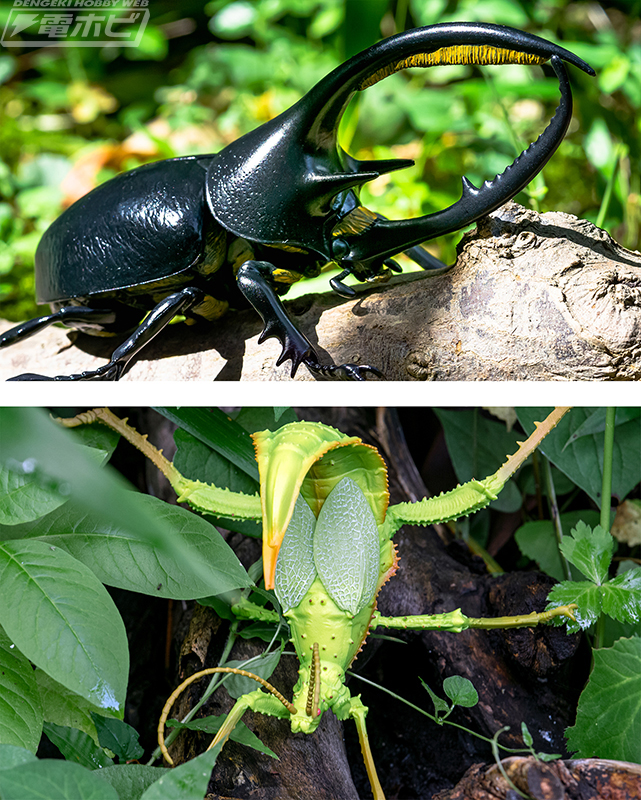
x=531, y=297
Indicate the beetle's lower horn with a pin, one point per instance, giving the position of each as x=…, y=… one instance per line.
x=339, y=287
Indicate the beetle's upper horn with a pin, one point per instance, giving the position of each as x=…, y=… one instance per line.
x=277, y=183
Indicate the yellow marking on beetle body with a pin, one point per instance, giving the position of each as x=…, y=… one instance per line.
x=287, y=276
x=357, y=221
x=456, y=54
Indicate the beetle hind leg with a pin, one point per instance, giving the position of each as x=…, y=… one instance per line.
x=153, y=324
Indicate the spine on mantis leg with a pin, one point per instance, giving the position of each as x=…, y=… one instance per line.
x=473, y=495
x=204, y=497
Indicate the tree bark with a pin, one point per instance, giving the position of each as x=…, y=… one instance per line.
x=531, y=297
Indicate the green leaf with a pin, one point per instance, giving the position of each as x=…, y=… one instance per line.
x=29, y=436
x=585, y=594
x=117, y=736
x=77, y=746
x=582, y=460
x=213, y=723
x=119, y=557
x=61, y=617
x=186, y=782
x=23, y=498
x=64, y=707
x=21, y=715
x=346, y=534
x=527, y=736
x=461, y=691
x=477, y=447
x=595, y=422
x=215, y=429
x=263, y=666
x=608, y=721
x=130, y=780
x=439, y=704
x=12, y=756
x=53, y=779
x=265, y=418
x=589, y=550
x=537, y=541
x=622, y=596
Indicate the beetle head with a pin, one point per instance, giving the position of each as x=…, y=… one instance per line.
x=288, y=183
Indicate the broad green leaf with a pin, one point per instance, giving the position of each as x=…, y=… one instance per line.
x=21, y=715
x=461, y=691
x=439, y=704
x=12, y=756
x=77, y=746
x=262, y=418
x=622, y=596
x=29, y=436
x=263, y=666
x=64, y=707
x=346, y=547
x=537, y=541
x=53, y=779
x=213, y=723
x=595, y=422
x=23, y=498
x=118, y=557
x=215, y=429
x=589, y=550
x=117, y=736
x=62, y=618
x=100, y=438
x=197, y=461
x=585, y=594
x=608, y=720
x=582, y=460
x=130, y=780
x=477, y=448
x=295, y=570
x=186, y=782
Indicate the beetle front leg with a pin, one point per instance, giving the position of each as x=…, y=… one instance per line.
x=255, y=280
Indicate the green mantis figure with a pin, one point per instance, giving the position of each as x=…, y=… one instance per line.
x=327, y=551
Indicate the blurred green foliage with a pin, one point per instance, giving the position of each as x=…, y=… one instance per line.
x=206, y=73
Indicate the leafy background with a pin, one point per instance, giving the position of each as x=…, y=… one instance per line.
x=206, y=73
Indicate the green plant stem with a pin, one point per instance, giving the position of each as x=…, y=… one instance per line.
x=556, y=517
x=606, y=485
x=438, y=720
x=606, y=501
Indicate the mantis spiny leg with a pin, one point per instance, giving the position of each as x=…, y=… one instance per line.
x=358, y=712
x=227, y=728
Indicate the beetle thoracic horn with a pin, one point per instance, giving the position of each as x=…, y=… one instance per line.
x=298, y=155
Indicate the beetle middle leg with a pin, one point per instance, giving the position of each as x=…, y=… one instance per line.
x=156, y=321
x=255, y=280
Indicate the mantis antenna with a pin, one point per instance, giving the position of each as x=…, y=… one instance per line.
x=180, y=689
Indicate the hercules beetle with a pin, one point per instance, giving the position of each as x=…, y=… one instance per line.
x=197, y=234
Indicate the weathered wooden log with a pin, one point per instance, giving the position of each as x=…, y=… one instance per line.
x=531, y=297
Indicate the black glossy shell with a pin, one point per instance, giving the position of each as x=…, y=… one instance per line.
x=141, y=226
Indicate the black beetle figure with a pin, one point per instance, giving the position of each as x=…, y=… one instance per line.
x=198, y=234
